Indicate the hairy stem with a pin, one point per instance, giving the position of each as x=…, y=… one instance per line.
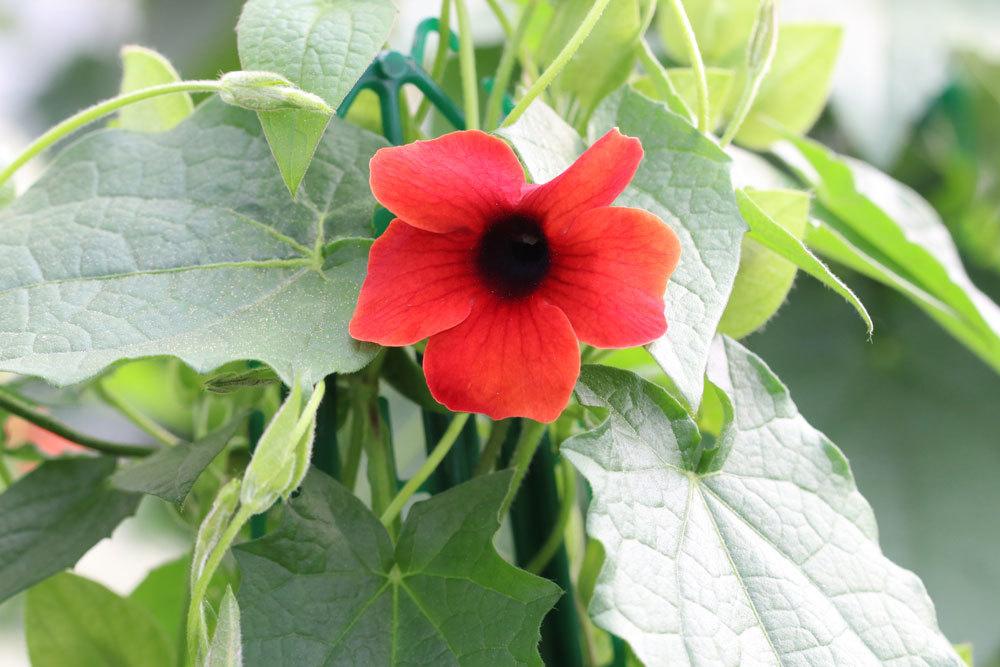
x=98, y=111
x=441, y=450
x=703, y=111
x=561, y=60
x=467, y=63
x=16, y=405
x=506, y=67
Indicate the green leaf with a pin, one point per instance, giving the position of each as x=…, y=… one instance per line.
x=684, y=179
x=164, y=594
x=345, y=595
x=172, y=471
x=772, y=250
x=722, y=28
x=764, y=552
x=8, y=193
x=70, y=620
x=323, y=47
x=52, y=516
x=887, y=231
x=226, y=648
x=142, y=68
x=606, y=58
x=796, y=87
x=720, y=85
x=186, y=243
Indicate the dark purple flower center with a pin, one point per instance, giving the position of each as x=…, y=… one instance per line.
x=513, y=256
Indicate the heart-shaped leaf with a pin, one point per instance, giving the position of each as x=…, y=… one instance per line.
x=328, y=586
x=323, y=47
x=187, y=243
x=749, y=546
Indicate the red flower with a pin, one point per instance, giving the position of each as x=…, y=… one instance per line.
x=504, y=276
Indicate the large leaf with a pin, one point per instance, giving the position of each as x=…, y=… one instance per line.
x=328, y=586
x=684, y=179
x=164, y=594
x=757, y=550
x=796, y=87
x=52, y=516
x=186, y=243
x=886, y=230
x=70, y=620
x=171, y=472
x=322, y=46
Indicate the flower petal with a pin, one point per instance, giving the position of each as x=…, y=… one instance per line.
x=609, y=273
x=510, y=358
x=595, y=179
x=459, y=180
x=418, y=283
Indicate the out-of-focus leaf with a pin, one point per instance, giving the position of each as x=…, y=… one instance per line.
x=887, y=231
x=186, y=243
x=53, y=515
x=723, y=554
x=405, y=375
x=796, y=87
x=172, y=471
x=722, y=28
x=164, y=594
x=720, y=86
x=70, y=620
x=323, y=47
x=346, y=595
x=143, y=68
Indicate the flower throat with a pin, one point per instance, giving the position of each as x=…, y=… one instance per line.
x=513, y=256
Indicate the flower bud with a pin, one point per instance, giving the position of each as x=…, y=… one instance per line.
x=282, y=456
x=266, y=91
x=213, y=526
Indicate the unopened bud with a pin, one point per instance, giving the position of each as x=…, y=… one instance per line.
x=281, y=459
x=267, y=91
x=763, y=39
x=213, y=525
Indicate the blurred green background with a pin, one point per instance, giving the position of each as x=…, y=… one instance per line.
x=918, y=93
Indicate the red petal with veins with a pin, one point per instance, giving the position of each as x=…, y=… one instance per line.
x=461, y=180
x=609, y=273
x=510, y=358
x=418, y=283
x=594, y=180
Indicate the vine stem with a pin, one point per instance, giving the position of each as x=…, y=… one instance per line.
x=697, y=63
x=555, y=538
x=195, y=619
x=501, y=17
x=505, y=69
x=98, y=111
x=150, y=427
x=440, y=59
x=524, y=452
x=492, y=448
x=467, y=65
x=552, y=71
x=440, y=450
x=16, y=405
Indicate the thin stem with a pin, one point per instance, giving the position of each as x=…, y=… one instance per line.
x=501, y=17
x=149, y=426
x=491, y=450
x=555, y=538
x=505, y=69
x=660, y=77
x=561, y=60
x=6, y=479
x=697, y=64
x=441, y=450
x=440, y=59
x=98, y=111
x=524, y=452
x=467, y=63
x=760, y=54
x=196, y=638
x=381, y=465
x=16, y=405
